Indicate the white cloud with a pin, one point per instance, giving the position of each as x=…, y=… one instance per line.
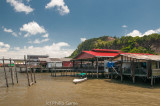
x=16, y=48
x=9, y=31
x=149, y=32
x=28, y=1
x=124, y=26
x=45, y=40
x=4, y=47
x=32, y=28
x=83, y=39
x=14, y=34
x=54, y=50
x=37, y=41
x=45, y=35
x=60, y=5
x=135, y=33
x=19, y=6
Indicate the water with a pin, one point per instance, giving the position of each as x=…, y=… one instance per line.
x=59, y=91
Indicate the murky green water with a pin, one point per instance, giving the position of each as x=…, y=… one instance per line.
x=59, y=91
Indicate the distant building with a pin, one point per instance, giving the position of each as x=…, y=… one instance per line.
x=19, y=61
x=34, y=58
x=56, y=62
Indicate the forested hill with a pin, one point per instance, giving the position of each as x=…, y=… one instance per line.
x=145, y=44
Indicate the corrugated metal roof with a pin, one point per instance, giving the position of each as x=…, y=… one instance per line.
x=102, y=54
x=44, y=59
x=65, y=59
x=98, y=53
x=143, y=56
x=54, y=59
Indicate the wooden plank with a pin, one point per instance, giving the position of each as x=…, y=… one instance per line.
x=5, y=73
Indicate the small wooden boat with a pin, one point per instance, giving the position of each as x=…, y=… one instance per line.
x=79, y=80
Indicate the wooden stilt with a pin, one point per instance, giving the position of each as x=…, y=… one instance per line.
x=41, y=69
x=92, y=73
x=111, y=75
x=30, y=70
x=5, y=73
x=55, y=72
x=121, y=70
x=51, y=72
x=27, y=70
x=16, y=72
x=74, y=72
x=66, y=72
x=10, y=68
x=121, y=78
x=97, y=66
x=71, y=72
x=152, y=81
x=133, y=79
x=34, y=70
x=20, y=69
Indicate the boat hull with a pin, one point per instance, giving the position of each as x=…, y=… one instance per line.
x=79, y=80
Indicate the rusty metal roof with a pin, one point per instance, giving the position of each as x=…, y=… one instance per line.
x=143, y=56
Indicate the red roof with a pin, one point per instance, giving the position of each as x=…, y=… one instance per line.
x=98, y=53
x=107, y=50
x=101, y=54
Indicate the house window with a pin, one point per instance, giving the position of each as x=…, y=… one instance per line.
x=155, y=65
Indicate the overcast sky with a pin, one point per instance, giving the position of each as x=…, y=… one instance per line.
x=56, y=27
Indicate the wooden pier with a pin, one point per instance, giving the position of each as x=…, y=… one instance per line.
x=7, y=66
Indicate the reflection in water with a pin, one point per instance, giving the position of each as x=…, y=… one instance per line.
x=61, y=91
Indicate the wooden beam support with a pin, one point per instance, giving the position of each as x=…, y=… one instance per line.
x=5, y=73
x=97, y=67
x=10, y=68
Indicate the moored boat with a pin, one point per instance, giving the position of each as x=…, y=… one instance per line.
x=79, y=80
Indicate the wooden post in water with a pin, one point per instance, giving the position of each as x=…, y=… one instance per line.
x=92, y=73
x=111, y=74
x=20, y=69
x=55, y=70
x=152, y=81
x=41, y=69
x=5, y=73
x=30, y=70
x=133, y=71
x=26, y=70
x=71, y=72
x=66, y=72
x=10, y=68
x=61, y=72
x=16, y=72
x=97, y=67
x=121, y=70
x=51, y=71
x=34, y=70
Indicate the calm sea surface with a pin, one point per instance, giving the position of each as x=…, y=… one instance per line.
x=60, y=91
